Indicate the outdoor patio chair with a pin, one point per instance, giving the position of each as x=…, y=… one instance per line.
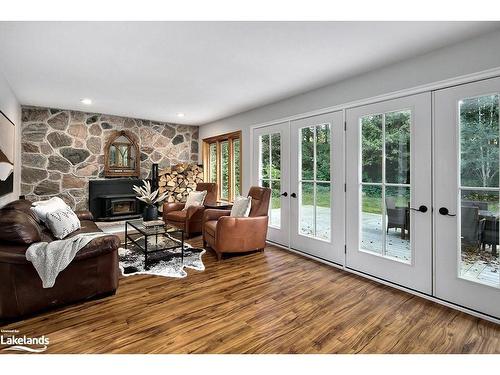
x=478, y=204
x=471, y=226
x=396, y=216
x=490, y=235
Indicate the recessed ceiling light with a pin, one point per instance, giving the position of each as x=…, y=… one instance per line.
x=86, y=101
x=180, y=114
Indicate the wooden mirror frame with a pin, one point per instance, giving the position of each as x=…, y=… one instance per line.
x=109, y=171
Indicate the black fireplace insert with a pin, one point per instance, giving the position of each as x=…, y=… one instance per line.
x=114, y=199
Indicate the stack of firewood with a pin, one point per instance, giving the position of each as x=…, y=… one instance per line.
x=179, y=180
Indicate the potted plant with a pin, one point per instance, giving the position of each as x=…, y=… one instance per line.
x=151, y=199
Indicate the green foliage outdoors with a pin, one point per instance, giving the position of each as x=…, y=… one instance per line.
x=479, y=141
x=236, y=152
x=479, y=138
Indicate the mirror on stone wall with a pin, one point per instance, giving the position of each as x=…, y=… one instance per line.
x=121, y=154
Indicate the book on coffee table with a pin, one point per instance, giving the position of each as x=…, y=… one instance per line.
x=153, y=223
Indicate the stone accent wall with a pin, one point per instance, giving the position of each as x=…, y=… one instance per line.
x=62, y=150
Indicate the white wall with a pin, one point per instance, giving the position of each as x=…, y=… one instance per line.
x=468, y=57
x=12, y=109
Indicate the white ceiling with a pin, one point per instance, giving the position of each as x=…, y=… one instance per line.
x=207, y=70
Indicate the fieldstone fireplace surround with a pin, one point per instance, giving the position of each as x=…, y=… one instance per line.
x=62, y=150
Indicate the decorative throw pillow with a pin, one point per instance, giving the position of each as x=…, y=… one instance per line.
x=43, y=208
x=241, y=207
x=62, y=222
x=195, y=198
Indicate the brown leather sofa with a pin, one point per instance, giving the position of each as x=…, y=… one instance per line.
x=189, y=220
x=92, y=273
x=225, y=234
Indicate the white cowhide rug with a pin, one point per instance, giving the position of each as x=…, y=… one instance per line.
x=166, y=263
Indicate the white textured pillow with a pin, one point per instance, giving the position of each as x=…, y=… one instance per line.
x=241, y=207
x=43, y=208
x=62, y=222
x=195, y=198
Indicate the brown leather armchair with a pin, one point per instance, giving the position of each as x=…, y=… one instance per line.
x=190, y=219
x=225, y=234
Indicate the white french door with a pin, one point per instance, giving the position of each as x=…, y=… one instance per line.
x=271, y=159
x=466, y=215
x=317, y=186
x=411, y=188
x=388, y=201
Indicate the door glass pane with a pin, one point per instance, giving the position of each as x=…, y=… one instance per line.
x=372, y=234
x=323, y=152
x=371, y=148
x=397, y=147
x=264, y=155
x=479, y=214
x=307, y=153
x=237, y=172
x=385, y=190
x=479, y=218
x=323, y=211
x=275, y=215
x=264, y=183
x=224, y=170
x=397, y=203
x=275, y=156
x=213, y=162
x=479, y=141
x=306, y=209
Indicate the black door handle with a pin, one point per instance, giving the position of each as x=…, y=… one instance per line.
x=293, y=195
x=285, y=194
x=444, y=211
x=420, y=209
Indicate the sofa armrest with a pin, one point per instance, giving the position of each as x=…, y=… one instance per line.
x=84, y=215
x=241, y=233
x=99, y=246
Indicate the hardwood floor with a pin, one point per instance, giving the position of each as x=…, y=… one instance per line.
x=270, y=302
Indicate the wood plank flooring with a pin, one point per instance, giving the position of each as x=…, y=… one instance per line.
x=270, y=302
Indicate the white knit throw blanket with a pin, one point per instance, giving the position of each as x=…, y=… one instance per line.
x=50, y=258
